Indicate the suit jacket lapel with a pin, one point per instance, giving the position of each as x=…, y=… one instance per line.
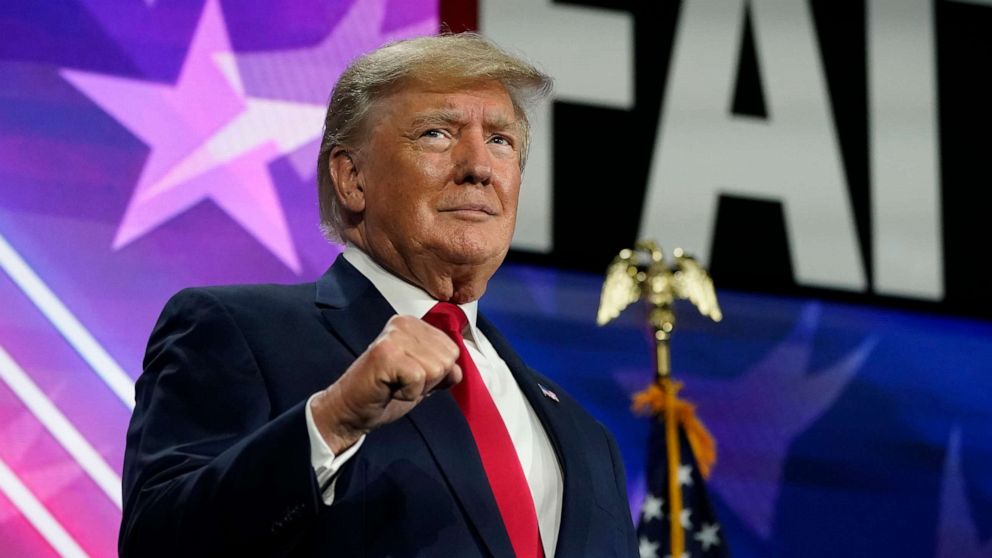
x=566, y=439
x=351, y=306
x=355, y=313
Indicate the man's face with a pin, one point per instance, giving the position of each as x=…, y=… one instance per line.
x=440, y=176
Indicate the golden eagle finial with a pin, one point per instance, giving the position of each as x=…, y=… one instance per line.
x=642, y=273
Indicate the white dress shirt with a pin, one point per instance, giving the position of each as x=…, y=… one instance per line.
x=537, y=456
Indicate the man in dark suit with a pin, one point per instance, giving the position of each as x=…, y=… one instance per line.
x=374, y=413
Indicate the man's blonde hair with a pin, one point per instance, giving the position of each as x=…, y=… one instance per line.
x=447, y=59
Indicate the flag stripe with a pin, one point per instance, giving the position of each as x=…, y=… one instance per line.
x=60, y=428
x=37, y=514
x=66, y=323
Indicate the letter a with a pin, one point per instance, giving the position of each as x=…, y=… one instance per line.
x=702, y=150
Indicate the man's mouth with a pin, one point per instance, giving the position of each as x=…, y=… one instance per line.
x=470, y=208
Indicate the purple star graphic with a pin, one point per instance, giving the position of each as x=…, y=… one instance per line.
x=792, y=397
x=207, y=140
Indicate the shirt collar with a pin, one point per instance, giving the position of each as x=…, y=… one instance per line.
x=405, y=298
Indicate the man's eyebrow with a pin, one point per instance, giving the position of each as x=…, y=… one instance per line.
x=436, y=117
x=439, y=117
x=502, y=122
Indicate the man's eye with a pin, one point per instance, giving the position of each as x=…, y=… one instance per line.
x=433, y=133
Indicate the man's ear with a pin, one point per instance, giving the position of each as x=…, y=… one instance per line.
x=346, y=178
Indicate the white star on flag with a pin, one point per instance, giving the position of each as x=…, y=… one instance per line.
x=707, y=535
x=648, y=549
x=652, y=507
x=685, y=475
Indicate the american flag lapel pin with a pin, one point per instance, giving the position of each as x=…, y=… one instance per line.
x=548, y=393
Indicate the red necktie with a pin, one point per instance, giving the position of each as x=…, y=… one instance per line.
x=499, y=457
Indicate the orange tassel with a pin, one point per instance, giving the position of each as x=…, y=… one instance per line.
x=652, y=400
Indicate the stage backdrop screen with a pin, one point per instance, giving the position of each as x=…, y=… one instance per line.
x=824, y=158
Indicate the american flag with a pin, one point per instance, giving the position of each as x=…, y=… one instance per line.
x=703, y=533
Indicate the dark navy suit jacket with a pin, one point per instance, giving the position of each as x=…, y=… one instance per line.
x=218, y=455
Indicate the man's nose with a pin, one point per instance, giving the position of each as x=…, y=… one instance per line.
x=474, y=164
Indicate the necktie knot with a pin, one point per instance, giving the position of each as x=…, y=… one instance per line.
x=447, y=317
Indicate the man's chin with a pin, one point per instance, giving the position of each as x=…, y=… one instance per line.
x=471, y=245
x=467, y=254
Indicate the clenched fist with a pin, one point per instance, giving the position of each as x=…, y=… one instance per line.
x=405, y=363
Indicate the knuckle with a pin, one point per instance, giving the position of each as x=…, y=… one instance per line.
x=415, y=375
x=437, y=370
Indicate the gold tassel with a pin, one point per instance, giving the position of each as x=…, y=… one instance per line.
x=652, y=400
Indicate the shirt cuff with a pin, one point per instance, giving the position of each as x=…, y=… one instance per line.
x=325, y=464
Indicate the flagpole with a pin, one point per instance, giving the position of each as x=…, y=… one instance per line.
x=662, y=319
x=674, y=462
